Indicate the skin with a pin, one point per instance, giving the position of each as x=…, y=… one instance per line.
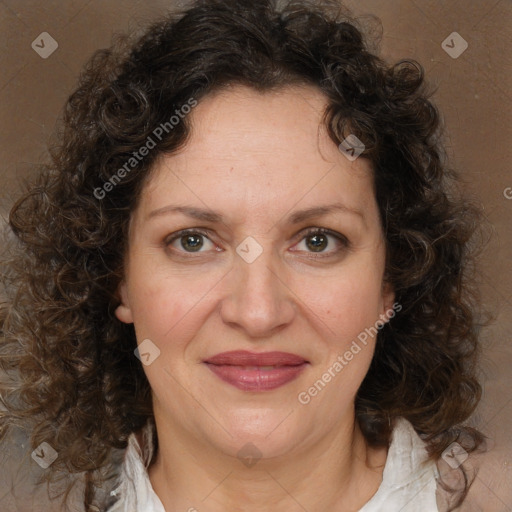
x=257, y=158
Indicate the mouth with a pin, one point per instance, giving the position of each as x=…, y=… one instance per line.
x=249, y=371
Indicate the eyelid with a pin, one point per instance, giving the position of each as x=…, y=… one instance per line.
x=342, y=239
x=325, y=231
x=188, y=231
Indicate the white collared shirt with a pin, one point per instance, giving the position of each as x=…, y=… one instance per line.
x=408, y=482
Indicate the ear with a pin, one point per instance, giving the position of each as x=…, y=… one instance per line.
x=123, y=311
x=388, y=300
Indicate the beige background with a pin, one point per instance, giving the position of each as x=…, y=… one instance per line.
x=474, y=93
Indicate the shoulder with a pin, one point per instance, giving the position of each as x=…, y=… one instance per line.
x=409, y=480
x=134, y=492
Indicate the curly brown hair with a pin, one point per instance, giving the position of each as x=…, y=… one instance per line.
x=73, y=378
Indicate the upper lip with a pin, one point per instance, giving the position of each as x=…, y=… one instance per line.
x=245, y=358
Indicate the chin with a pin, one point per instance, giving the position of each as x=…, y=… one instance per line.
x=270, y=436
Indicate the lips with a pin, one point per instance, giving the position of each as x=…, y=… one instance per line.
x=244, y=358
x=250, y=371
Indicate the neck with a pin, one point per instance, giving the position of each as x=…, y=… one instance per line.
x=338, y=473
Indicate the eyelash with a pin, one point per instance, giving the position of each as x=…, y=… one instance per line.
x=345, y=243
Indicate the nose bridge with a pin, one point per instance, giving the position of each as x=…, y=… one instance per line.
x=259, y=301
x=257, y=274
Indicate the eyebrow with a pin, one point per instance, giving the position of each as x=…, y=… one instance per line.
x=295, y=218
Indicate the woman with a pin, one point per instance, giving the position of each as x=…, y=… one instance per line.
x=247, y=269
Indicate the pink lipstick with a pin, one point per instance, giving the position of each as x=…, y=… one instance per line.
x=251, y=371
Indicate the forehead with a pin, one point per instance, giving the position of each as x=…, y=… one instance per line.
x=249, y=150
x=285, y=123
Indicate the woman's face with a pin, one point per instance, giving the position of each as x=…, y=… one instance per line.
x=259, y=172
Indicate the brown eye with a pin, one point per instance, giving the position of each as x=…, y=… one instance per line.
x=318, y=242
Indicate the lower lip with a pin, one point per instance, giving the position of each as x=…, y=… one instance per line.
x=257, y=380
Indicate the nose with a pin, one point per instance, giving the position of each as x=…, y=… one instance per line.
x=260, y=302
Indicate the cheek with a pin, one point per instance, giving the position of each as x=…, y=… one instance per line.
x=159, y=306
x=345, y=304
x=347, y=308
x=169, y=307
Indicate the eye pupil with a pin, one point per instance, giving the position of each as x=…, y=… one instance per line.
x=319, y=242
x=189, y=239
